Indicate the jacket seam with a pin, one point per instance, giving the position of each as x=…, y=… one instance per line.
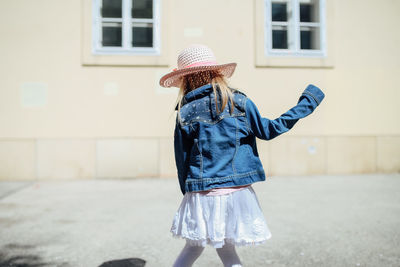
x=236, y=146
x=314, y=97
x=245, y=117
x=201, y=165
x=201, y=159
x=242, y=175
x=216, y=121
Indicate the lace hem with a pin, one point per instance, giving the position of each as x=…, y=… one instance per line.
x=220, y=243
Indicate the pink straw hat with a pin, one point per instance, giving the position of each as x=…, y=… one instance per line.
x=192, y=59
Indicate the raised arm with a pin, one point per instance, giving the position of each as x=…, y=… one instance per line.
x=267, y=129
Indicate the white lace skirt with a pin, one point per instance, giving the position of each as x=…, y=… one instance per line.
x=235, y=218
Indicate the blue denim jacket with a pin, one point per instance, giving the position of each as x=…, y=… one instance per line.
x=219, y=150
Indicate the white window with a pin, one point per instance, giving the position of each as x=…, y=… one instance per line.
x=126, y=26
x=295, y=28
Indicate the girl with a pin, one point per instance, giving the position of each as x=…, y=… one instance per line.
x=216, y=156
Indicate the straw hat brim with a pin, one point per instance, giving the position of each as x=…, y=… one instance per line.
x=173, y=79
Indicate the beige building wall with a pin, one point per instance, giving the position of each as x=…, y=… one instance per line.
x=66, y=114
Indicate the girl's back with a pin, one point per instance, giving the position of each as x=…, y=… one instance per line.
x=216, y=156
x=215, y=149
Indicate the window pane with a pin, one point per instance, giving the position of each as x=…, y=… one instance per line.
x=279, y=12
x=142, y=35
x=142, y=9
x=309, y=38
x=279, y=37
x=111, y=9
x=309, y=11
x=112, y=34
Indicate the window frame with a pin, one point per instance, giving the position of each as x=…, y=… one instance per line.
x=293, y=28
x=127, y=20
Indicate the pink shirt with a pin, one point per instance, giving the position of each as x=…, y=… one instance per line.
x=222, y=190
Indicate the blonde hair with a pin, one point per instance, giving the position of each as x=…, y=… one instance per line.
x=218, y=81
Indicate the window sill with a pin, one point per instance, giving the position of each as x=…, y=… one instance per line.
x=89, y=57
x=298, y=62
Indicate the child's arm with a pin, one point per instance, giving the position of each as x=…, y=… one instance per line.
x=268, y=129
x=181, y=149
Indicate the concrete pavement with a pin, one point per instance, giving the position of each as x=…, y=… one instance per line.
x=349, y=220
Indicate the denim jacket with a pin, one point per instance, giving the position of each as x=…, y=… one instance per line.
x=219, y=150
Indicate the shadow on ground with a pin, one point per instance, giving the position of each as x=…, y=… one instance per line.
x=22, y=261
x=131, y=262
x=11, y=257
x=18, y=255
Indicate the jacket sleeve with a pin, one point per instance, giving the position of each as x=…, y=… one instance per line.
x=182, y=150
x=267, y=129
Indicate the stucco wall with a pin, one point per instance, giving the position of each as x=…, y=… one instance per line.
x=115, y=121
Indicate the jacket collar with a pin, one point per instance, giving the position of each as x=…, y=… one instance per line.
x=196, y=93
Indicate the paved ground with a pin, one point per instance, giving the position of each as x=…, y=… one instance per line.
x=314, y=220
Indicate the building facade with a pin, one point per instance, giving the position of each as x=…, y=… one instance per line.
x=79, y=93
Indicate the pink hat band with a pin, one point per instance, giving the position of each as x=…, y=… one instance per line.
x=192, y=59
x=206, y=63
